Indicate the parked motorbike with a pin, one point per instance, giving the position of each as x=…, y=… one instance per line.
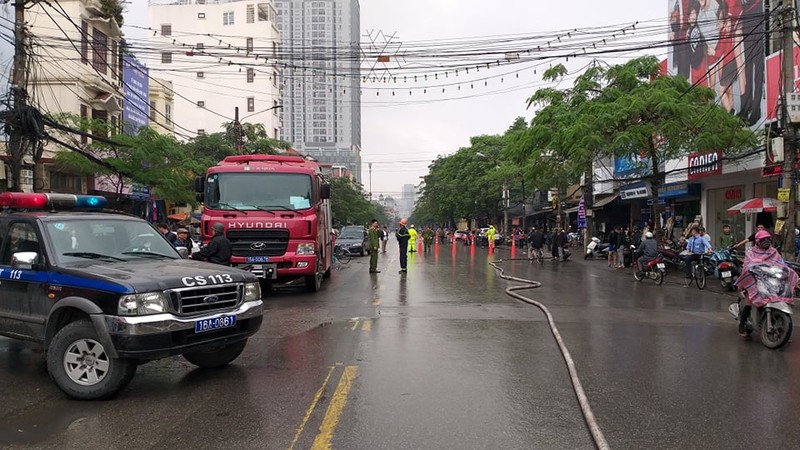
x=672, y=256
x=726, y=267
x=594, y=249
x=772, y=321
x=655, y=269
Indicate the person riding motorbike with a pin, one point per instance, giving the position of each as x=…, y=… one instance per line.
x=761, y=253
x=648, y=249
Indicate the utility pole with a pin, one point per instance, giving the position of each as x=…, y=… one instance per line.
x=524, y=230
x=17, y=142
x=237, y=132
x=505, y=207
x=790, y=152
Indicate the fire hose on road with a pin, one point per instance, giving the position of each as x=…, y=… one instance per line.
x=586, y=409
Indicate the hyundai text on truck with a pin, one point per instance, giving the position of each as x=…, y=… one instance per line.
x=276, y=213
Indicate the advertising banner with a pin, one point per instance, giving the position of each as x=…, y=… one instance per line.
x=136, y=100
x=720, y=45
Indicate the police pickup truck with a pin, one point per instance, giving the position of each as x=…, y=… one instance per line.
x=106, y=292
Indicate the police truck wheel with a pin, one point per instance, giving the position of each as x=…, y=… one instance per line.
x=217, y=357
x=82, y=367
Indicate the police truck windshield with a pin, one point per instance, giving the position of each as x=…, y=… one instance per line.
x=76, y=240
x=258, y=191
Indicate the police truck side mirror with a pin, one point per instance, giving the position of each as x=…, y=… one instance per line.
x=199, y=187
x=183, y=251
x=325, y=191
x=25, y=260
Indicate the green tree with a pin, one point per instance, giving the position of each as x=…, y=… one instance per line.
x=147, y=158
x=349, y=205
x=619, y=111
x=254, y=139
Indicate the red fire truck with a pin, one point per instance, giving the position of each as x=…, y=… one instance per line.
x=277, y=215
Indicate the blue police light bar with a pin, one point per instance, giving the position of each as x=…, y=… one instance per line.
x=90, y=201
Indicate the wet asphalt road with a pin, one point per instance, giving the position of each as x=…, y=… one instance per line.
x=442, y=358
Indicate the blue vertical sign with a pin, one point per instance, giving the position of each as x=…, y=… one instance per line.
x=582, y=213
x=136, y=101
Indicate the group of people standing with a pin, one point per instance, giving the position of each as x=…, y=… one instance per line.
x=556, y=240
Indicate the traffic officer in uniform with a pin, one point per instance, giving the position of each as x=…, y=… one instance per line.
x=218, y=250
x=374, y=245
x=403, y=236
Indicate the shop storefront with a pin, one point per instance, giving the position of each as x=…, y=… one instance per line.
x=681, y=204
x=719, y=200
x=722, y=192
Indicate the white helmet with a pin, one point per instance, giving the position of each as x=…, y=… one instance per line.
x=648, y=235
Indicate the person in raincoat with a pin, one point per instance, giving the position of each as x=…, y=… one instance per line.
x=490, y=236
x=427, y=238
x=762, y=253
x=412, y=241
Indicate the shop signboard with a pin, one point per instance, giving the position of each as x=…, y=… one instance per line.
x=582, y=213
x=783, y=194
x=633, y=164
x=704, y=164
x=635, y=190
x=139, y=192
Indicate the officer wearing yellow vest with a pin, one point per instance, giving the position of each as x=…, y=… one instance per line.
x=490, y=236
x=412, y=241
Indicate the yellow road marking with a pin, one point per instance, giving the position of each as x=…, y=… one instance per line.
x=355, y=325
x=311, y=408
x=367, y=326
x=323, y=439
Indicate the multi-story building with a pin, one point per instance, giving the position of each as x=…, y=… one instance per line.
x=321, y=81
x=83, y=80
x=408, y=200
x=218, y=55
x=162, y=105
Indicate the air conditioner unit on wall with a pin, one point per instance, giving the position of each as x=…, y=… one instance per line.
x=776, y=146
x=793, y=107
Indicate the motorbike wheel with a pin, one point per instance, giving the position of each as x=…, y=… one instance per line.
x=781, y=329
x=659, y=277
x=637, y=275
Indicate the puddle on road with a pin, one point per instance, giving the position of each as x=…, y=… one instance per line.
x=37, y=425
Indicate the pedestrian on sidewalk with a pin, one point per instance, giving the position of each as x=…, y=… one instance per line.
x=384, y=238
x=403, y=237
x=374, y=245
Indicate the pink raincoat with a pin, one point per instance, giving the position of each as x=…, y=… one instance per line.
x=748, y=282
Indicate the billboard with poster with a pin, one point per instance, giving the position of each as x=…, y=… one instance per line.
x=720, y=44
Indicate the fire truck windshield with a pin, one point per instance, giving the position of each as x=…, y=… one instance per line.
x=258, y=191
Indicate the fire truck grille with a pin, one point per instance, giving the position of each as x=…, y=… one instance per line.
x=272, y=242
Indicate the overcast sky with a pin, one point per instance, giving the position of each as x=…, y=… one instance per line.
x=401, y=139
